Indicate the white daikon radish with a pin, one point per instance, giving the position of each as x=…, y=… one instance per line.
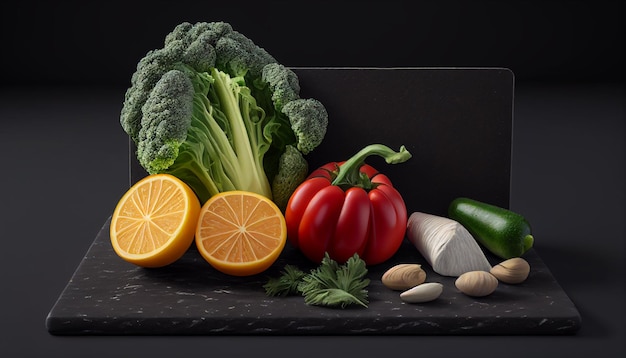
x=447, y=246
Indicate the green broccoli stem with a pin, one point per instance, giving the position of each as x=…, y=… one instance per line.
x=198, y=179
x=349, y=174
x=250, y=173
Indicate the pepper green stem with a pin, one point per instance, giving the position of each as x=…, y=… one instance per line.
x=349, y=174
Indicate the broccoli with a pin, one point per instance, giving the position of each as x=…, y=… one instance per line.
x=167, y=116
x=308, y=121
x=293, y=170
x=283, y=82
x=220, y=113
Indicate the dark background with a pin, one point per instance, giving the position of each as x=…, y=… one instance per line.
x=99, y=43
x=66, y=64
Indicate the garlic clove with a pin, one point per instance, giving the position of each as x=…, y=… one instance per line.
x=424, y=292
x=512, y=271
x=403, y=276
x=476, y=283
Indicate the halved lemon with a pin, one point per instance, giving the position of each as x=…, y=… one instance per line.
x=154, y=222
x=240, y=233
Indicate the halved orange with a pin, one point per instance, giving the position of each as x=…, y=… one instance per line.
x=154, y=222
x=240, y=233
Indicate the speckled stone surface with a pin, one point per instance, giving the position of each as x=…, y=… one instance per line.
x=109, y=296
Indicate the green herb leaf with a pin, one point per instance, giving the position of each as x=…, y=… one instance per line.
x=334, y=285
x=286, y=284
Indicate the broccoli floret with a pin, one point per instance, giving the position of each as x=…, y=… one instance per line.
x=292, y=170
x=309, y=121
x=220, y=113
x=188, y=32
x=179, y=33
x=149, y=70
x=283, y=83
x=166, y=119
x=200, y=54
x=239, y=56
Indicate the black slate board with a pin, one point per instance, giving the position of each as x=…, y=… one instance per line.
x=107, y=296
x=457, y=123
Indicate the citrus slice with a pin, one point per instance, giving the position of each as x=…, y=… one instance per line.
x=240, y=233
x=154, y=222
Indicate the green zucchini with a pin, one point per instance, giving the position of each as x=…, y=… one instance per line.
x=504, y=233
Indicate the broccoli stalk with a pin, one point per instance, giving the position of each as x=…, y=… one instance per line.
x=224, y=144
x=246, y=123
x=220, y=113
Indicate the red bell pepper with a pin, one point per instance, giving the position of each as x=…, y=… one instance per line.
x=348, y=207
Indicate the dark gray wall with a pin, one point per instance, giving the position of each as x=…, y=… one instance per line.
x=99, y=43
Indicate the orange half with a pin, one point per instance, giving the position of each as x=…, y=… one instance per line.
x=154, y=222
x=240, y=233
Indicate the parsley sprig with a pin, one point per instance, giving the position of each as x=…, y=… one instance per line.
x=286, y=284
x=330, y=284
